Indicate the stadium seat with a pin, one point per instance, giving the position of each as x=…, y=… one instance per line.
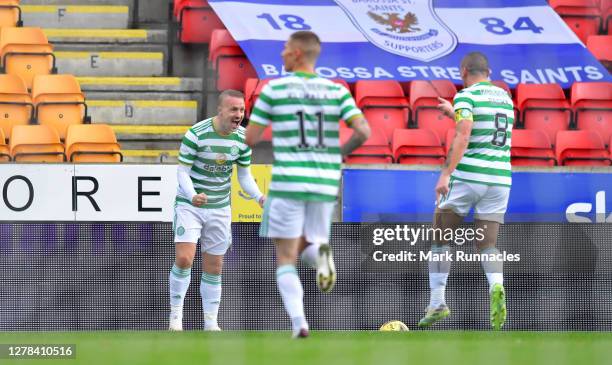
x=544, y=107
x=92, y=143
x=592, y=104
x=582, y=16
x=417, y=146
x=531, y=148
x=503, y=85
x=230, y=65
x=36, y=143
x=26, y=52
x=5, y=155
x=374, y=151
x=581, y=148
x=601, y=47
x=16, y=106
x=252, y=89
x=423, y=101
x=197, y=20
x=383, y=104
x=10, y=14
x=59, y=102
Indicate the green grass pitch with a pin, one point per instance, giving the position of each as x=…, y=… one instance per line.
x=324, y=347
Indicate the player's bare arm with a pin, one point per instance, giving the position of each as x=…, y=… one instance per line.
x=253, y=134
x=455, y=153
x=361, y=134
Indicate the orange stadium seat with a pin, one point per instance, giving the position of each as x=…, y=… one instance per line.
x=592, y=104
x=582, y=16
x=544, y=107
x=92, y=143
x=26, y=52
x=531, y=148
x=229, y=63
x=383, y=104
x=374, y=151
x=16, y=106
x=36, y=143
x=423, y=102
x=59, y=102
x=197, y=20
x=5, y=155
x=581, y=148
x=10, y=14
x=417, y=146
x=601, y=47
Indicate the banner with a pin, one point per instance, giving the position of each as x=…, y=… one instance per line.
x=525, y=40
x=244, y=208
x=534, y=196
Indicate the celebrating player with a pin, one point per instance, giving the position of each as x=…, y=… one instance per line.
x=202, y=211
x=304, y=111
x=476, y=174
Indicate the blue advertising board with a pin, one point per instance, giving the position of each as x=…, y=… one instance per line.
x=408, y=196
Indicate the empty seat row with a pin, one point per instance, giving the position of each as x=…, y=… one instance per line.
x=56, y=100
x=539, y=106
x=41, y=143
x=529, y=148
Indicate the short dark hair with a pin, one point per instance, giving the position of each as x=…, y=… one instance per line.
x=476, y=63
x=308, y=42
x=229, y=93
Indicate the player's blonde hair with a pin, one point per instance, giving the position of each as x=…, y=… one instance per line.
x=308, y=42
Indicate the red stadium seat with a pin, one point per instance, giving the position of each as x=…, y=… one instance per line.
x=531, y=148
x=417, y=146
x=423, y=102
x=581, y=148
x=592, y=104
x=231, y=66
x=601, y=47
x=197, y=21
x=383, y=104
x=582, y=16
x=544, y=107
x=374, y=151
x=252, y=89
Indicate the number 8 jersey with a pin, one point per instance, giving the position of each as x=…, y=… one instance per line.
x=304, y=111
x=487, y=157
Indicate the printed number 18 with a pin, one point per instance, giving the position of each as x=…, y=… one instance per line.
x=290, y=21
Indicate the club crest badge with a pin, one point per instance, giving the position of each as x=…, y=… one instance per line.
x=408, y=28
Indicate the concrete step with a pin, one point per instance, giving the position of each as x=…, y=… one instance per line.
x=120, y=36
x=140, y=84
x=150, y=156
x=75, y=16
x=110, y=63
x=137, y=95
x=150, y=132
x=157, y=112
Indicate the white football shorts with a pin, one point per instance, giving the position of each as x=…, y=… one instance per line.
x=292, y=218
x=489, y=201
x=212, y=227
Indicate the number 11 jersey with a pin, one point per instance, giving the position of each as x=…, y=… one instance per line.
x=305, y=111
